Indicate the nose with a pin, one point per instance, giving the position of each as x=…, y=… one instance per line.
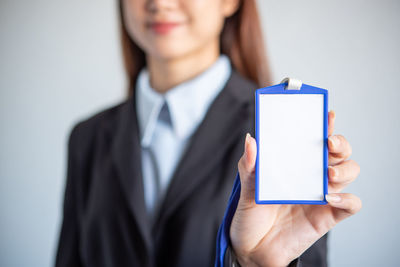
x=155, y=6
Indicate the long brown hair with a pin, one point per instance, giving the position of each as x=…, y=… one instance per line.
x=241, y=40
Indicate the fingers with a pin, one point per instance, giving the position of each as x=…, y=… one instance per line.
x=344, y=173
x=246, y=166
x=331, y=122
x=339, y=149
x=248, y=160
x=344, y=205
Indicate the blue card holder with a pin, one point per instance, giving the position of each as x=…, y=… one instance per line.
x=292, y=152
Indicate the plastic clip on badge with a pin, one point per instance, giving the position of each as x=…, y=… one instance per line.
x=292, y=152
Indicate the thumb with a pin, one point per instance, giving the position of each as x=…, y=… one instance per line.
x=246, y=168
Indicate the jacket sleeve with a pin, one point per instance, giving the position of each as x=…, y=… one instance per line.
x=315, y=256
x=68, y=246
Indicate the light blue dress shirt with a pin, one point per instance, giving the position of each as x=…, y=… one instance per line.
x=167, y=122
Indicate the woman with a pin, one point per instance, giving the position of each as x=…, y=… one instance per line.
x=149, y=180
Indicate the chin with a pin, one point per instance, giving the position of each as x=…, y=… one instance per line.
x=169, y=50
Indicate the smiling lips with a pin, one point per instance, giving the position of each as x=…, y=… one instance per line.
x=163, y=27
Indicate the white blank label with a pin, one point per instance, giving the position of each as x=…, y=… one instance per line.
x=291, y=143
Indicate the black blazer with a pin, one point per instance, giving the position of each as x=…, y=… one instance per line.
x=105, y=221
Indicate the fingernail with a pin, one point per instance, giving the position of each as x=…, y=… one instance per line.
x=247, y=137
x=245, y=142
x=333, y=198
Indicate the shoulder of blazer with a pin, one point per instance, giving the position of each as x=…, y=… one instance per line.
x=83, y=133
x=240, y=89
x=243, y=92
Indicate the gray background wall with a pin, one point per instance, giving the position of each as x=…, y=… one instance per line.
x=60, y=61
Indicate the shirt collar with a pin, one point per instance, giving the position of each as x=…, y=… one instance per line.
x=188, y=102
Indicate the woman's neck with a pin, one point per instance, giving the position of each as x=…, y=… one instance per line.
x=166, y=74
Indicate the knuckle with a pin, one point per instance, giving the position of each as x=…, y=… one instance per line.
x=356, y=166
x=341, y=137
x=341, y=140
x=356, y=205
x=339, y=171
x=359, y=204
x=240, y=164
x=349, y=150
x=337, y=174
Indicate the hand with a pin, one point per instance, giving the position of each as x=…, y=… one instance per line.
x=274, y=235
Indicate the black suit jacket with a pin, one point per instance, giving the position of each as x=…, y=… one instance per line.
x=105, y=221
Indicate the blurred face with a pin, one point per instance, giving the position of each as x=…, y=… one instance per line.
x=167, y=29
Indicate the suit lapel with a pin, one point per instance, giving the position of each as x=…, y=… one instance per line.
x=221, y=126
x=126, y=154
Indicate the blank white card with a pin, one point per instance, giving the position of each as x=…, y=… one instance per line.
x=290, y=147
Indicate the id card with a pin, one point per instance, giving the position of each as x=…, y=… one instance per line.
x=292, y=152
